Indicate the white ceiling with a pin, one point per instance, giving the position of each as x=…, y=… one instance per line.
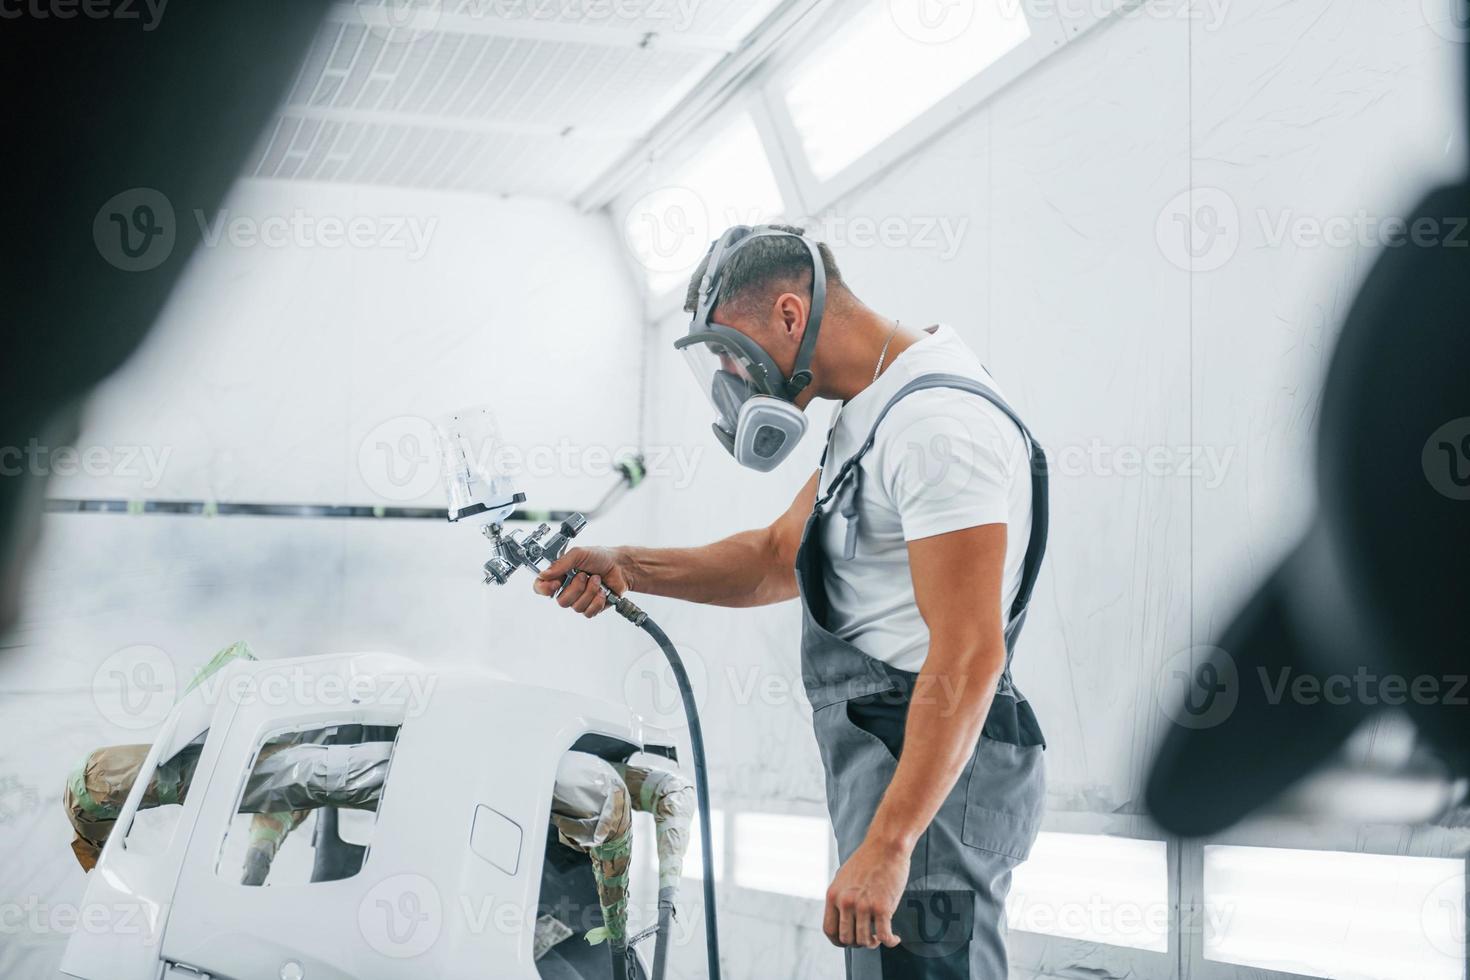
x=536, y=97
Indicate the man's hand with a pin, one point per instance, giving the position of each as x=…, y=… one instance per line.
x=583, y=594
x=864, y=896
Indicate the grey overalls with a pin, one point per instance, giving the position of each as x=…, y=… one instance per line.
x=951, y=919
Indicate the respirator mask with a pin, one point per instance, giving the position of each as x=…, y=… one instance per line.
x=756, y=418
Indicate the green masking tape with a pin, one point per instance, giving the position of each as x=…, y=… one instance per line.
x=616, y=917
x=239, y=650
x=616, y=848
x=84, y=798
x=276, y=826
x=648, y=793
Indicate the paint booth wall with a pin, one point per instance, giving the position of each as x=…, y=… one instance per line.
x=1178, y=409
x=300, y=372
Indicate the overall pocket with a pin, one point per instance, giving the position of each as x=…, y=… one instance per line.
x=1004, y=798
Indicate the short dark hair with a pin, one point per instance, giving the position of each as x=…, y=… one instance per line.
x=764, y=267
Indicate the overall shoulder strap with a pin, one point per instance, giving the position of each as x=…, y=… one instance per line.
x=1040, y=509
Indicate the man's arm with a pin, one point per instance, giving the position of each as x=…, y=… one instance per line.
x=752, y=568
x=957, y=582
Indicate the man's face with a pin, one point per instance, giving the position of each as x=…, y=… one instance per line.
x=728, y=363
x=777, y=325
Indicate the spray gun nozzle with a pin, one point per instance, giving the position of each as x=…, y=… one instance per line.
x=498, y=570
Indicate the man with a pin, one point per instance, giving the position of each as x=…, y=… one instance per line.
x=914, y=550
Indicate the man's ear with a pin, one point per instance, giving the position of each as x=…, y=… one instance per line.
x=791, y=314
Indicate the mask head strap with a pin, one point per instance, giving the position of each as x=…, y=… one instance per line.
x=731, y=242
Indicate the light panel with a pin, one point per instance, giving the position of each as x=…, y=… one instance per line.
x=886, y=65
x=783, y=853
x=693, y=863
x=728, y=182
x=1100, y=889
x=1334, y=914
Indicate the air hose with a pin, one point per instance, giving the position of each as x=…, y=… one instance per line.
x=639, y=618
x=512, y=551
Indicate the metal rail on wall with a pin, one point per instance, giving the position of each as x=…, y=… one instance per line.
x=630, y=474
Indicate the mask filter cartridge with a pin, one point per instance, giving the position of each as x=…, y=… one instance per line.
x=767, y=431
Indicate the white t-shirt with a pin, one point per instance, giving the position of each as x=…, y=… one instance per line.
x=943, y=460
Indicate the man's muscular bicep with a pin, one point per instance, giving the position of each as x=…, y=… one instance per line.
x=787, y=530
x=958, y=578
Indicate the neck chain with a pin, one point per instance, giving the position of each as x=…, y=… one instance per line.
x=876, y=371
x=886, y=344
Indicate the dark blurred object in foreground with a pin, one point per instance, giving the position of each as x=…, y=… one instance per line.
x=1373, y=607
x=122, y=122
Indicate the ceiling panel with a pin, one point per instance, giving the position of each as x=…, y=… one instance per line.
x=725, y=22
x=499, y=96
x=441, y=158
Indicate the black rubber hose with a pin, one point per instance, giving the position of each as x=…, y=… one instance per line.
x=701, y=788
x=662, y=933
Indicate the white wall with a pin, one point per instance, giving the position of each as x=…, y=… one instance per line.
x=279, y=373
x=274, y=375
x=1070, y=281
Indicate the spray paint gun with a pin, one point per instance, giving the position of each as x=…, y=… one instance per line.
x=513, y=550
x=478, y=494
